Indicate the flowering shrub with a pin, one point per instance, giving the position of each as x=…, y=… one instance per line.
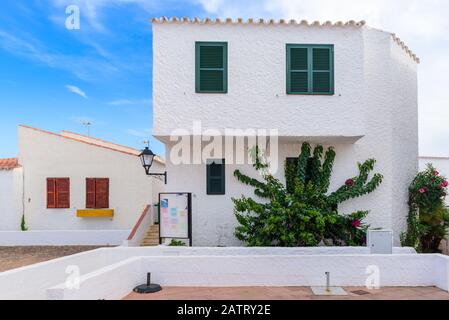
x=428, y=217
x=428, y=189
x=303, y=213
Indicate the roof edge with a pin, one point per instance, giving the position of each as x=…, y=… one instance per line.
x=261, y=21
x=136, y=153
x=7, y=164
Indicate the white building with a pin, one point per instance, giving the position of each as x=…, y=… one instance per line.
x=343, y=84
x=10, y=194
x=73, y=182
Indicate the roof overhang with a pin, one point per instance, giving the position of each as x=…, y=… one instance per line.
x=293, y=139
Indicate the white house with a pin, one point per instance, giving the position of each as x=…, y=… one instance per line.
x=340, y=84
x=10, y=194
x=72, y=182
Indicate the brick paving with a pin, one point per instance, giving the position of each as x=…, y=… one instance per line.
x=290, y=293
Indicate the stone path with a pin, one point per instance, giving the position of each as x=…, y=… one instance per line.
x=290, y=293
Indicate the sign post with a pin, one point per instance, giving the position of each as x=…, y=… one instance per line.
x=175, y=216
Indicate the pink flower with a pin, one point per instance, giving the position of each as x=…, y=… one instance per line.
x=436, y=173
x=422, y=190
x=356, y=223
x=349, y=183
x=444, y=184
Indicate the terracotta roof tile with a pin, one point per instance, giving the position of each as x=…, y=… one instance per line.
x=262, y=22
x=9, y=163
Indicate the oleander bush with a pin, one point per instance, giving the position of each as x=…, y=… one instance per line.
x=428, y=217
x=303, y=212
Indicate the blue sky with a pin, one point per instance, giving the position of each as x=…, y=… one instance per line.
x=56, y=79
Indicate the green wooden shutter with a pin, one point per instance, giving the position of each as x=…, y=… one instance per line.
x=298, y=70
x=215, y=172
x=211, y=67
x=322, y=70
x=310, y=69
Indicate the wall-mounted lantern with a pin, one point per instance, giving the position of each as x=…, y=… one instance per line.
x=147, y=158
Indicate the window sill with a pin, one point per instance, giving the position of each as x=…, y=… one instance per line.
x=311, y=94
x=211, y=92
x=95, y=213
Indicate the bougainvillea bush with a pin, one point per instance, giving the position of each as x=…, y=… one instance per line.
x=428, y=218
x=303, y=212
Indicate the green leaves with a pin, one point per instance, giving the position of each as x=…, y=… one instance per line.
x=302, y=213
x=303, y=162
x=360, y=187
x=23, y=225
x=428, y=217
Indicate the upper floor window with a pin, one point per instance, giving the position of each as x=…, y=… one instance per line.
x=211, y=64
x=310, y=69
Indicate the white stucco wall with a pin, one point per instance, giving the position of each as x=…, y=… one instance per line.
x=375, y=97
x=263, y=271
x=440, y=163
x=63, y=237
x=45, y=155
x=10, y=199
x=97, y=265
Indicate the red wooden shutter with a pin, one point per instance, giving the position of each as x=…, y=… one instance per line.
x=101, y=193
x=90, y=193
x=63, y=193
x=51, y=193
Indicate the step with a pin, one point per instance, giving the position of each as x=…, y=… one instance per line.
x=151, y=237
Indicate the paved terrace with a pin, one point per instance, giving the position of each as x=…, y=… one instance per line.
x=290, y=293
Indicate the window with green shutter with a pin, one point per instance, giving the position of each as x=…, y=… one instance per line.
x=215, y=177
x=211, y=64
x=310, y=69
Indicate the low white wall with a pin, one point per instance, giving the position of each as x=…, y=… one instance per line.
x=214, y=251
x=30, y=282
x=63, y=237
x=112, y=282
x=118, y=280
x=203, y=266
x=305, y=270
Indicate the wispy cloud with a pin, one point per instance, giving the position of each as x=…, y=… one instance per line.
x=76, y=90
x=145, y=133
x=87, y=68
x=82, y=120
x=129, y=102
